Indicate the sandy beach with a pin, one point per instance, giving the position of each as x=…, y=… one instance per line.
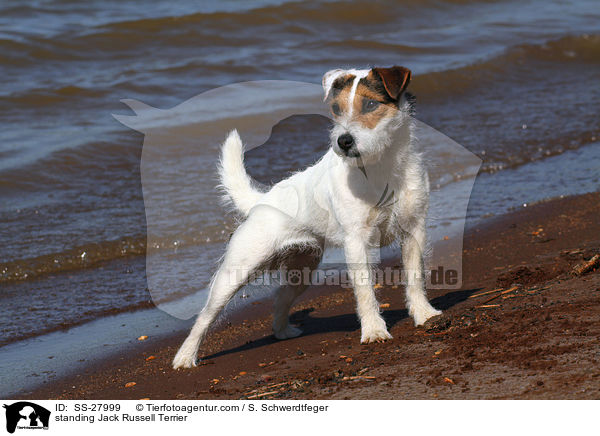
x=534, y=337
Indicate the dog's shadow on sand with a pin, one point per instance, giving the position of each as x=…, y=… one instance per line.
x=347, y=322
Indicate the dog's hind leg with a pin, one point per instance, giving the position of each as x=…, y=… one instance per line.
x=412, y=258
x=251, y=246
x=298, y=271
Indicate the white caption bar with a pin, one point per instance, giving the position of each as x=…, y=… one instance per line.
x=298, y=417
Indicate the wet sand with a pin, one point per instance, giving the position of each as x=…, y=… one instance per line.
x=539, y=340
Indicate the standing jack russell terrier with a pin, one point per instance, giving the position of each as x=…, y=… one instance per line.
x=370, y=188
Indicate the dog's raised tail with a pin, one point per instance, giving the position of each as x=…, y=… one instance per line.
x=234, y=179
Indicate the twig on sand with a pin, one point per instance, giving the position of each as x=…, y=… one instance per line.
x=488, y=305
x=537, y=289
x=485, y=293
x=276, y=385
x=587, y=266
x=514, y=288
x=359, y=377
x=264, y=394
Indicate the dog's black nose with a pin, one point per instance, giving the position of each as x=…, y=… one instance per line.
x=345, y=141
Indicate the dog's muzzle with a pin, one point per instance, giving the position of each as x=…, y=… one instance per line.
x=347, y=145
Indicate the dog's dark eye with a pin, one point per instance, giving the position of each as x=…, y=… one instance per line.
x=369, y=105
x=335, y=108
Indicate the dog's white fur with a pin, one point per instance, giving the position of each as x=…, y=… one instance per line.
x=338, y=190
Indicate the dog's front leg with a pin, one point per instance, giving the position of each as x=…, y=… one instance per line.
x=412, y=258
x=357, y=258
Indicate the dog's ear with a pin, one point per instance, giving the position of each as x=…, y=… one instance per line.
x=328, y=79
x=395, y=80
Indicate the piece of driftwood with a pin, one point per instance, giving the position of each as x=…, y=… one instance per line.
x=587, y=266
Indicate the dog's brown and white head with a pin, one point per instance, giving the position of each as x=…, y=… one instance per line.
x=368, y=107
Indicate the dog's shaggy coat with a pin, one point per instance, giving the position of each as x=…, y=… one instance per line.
x=369, y=190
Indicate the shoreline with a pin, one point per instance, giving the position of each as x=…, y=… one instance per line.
x=242, y=359
x=119, y=285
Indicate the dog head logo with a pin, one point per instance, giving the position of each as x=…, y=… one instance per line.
x=186, y=229
x=26, y=415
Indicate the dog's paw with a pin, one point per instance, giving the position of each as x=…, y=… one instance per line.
x=185, y=359
x=288, y=332
x=374, y=330
x=379, y=335
x=422, y=314
x=438, y=323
